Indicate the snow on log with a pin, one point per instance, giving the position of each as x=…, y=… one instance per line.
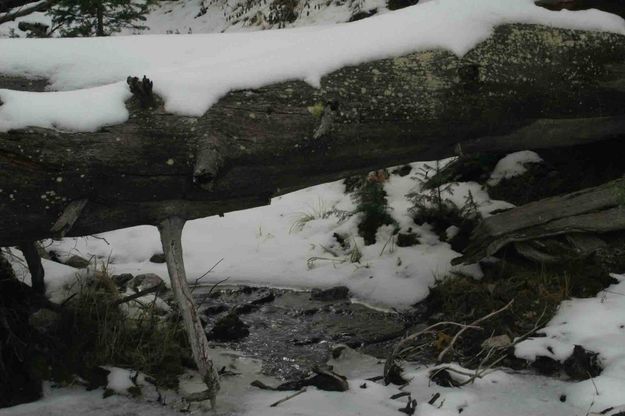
x=526, y=86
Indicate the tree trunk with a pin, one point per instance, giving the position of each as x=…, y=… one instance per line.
x=99, y=19
x=171, y=233
x=33, y=260
x=527, y=86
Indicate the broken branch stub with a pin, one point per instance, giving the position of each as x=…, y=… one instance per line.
x=142, y=90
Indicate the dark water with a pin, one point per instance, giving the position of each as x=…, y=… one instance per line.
x=291, y=332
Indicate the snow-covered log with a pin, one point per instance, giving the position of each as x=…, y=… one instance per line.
x=527, y=86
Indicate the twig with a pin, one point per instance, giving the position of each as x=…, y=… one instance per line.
x=207, y=296
x=39, y=7
x=137, y=295
x=288, y=398
x=197, y=281
x=474, y=323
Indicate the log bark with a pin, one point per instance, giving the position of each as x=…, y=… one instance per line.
x=594, y=210
x=527, y=86
x=171, y=233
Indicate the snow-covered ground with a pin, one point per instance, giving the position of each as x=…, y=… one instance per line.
x=265, y=246
x=499, y=393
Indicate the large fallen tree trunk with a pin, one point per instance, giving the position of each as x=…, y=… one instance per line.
x=525, y=87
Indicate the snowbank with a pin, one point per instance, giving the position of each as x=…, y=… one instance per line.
x=262, y=246
x=191, y=72
x=597, y=324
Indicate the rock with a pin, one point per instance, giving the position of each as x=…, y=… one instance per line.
x=270, y=297
x=145, y=281
x=582, y=364
x=443, y=378
x=499, y=341
x=324, y=379
x=402, y=171
x=546, y=366
x=334, y=293
x=327, y=380
x=157, y=258
x=407, y=239
x=122, y=279
x=215, y=309
x=363, y=15
x=77, y=262
x=246, y=308
x=229, y=328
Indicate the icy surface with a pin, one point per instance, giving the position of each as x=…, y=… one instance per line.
x=191, y=72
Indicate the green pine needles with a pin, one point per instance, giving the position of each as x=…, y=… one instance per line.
x=98, y=17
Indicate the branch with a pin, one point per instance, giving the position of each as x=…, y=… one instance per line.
x=137, y=295
x=39, y=7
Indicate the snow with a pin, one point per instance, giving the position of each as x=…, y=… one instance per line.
x=120, y=380
x=597, y=324
x=191, y=72
x=513, y=165
x=250, y=241
x=498, y=393
x=57, y=276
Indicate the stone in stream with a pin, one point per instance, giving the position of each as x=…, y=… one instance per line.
x=121, y=280
x=157, y=258
x=334, y=293
x=145, y=281
x=229, y=328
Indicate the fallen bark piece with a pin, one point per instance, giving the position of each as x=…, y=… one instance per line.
x=579, y=214
x=324, y=379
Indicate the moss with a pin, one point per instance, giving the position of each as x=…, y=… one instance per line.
x=316, y=110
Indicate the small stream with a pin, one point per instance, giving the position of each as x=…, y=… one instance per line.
x=290, y=331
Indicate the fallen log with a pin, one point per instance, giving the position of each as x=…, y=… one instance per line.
x=594, y=210
x=526, y=86
x=162, y=169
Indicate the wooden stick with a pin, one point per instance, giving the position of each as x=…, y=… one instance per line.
x=137, y=295
x=171, y=233
x=473, y=324
x=288, y=398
